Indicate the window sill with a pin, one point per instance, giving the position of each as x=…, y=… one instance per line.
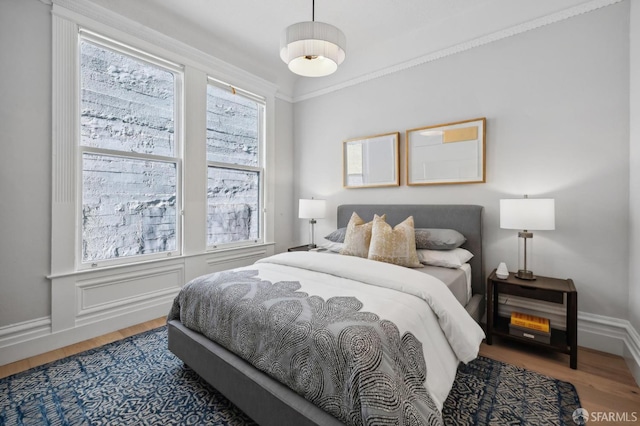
x=226, y=254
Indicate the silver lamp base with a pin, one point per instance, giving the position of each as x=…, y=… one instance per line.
x=525, y=274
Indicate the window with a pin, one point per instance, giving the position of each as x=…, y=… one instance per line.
x=130, y=153
x=153, y=160
x=235, y=136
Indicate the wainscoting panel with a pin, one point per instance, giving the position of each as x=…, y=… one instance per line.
x=90, y=303
x=103, y=294
x=90, y=297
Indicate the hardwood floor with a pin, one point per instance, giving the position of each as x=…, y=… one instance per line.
x=25, y=364
x=603, y=381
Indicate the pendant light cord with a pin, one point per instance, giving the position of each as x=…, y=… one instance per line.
x=313, y=10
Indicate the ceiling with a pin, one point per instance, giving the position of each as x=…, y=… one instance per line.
x=380, y=33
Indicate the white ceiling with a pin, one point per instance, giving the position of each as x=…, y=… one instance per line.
x=380, y=33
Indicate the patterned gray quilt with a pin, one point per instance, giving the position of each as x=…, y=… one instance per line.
x=350, y=363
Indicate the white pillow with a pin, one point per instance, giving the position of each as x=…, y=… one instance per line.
x=331, y=246
x=454, y=258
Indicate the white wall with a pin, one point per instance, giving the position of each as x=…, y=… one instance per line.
x=38, y=314
x=634, y=192
x=556, y=101
x=25, y=162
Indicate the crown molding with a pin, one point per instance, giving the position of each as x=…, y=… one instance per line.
x=467, y=45
x=284, y=97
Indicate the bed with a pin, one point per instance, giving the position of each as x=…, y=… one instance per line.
x=270, y=402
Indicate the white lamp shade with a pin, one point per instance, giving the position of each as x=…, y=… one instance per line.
x=311, y=209
x=531, y=214
x=312, y=49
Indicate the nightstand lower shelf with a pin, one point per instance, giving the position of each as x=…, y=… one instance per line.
x=558, y=337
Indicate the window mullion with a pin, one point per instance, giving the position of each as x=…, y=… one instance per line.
x=123, y=154
x=233, y=166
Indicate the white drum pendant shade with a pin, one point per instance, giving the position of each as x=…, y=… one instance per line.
x=313, y=49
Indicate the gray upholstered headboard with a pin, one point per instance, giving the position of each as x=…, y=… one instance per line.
x=466, y=219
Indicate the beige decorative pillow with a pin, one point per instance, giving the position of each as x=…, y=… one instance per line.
x=397, y=245
x=358, y=236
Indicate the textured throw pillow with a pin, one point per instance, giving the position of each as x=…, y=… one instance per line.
x=394, y=245
x=337, y=236
x=358, y=236
x=438, y=239
x=447, y=258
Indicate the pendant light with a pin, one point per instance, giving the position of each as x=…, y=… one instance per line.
x=312, y=49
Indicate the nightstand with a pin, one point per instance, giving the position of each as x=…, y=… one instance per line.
x=305, y=247
x=543, y=288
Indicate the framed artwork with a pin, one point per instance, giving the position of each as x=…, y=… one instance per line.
x=371, y=161
x=447, y=153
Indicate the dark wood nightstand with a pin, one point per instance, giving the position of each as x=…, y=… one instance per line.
x=305, y=247
x=543, y=288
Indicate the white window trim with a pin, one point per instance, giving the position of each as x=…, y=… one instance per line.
x=68, y=17
x=178, y=72
x=260, y=168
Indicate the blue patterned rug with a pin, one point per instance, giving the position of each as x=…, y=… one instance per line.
x=137, y=381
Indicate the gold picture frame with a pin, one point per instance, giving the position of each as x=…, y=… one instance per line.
x=372, y=161
x=452, y=153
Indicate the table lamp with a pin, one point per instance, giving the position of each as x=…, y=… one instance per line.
x=312, y=210
x=527, y=214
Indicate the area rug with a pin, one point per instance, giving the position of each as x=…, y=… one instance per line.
x=137, y=381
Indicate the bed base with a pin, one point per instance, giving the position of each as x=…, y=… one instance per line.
x=265, y=400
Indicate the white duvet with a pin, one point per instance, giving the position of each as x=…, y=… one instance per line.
x=414, y=301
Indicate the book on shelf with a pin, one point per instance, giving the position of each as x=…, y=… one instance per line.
x=530, y=321
x=530, y=334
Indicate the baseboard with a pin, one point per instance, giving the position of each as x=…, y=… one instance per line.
x=31, y=338
x=28, y=330
x=602, y=333
x=632, y=352
x=606, y=334
x=611, y=335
